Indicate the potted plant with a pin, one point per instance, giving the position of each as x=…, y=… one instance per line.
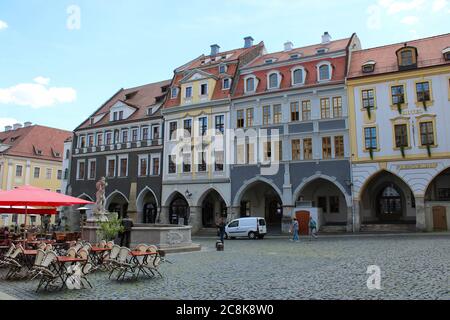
x=110, y=229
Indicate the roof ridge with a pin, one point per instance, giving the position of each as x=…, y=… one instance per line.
x=148, y=84
x=308, y=46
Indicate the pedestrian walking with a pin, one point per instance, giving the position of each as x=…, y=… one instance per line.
x=221, y=225
x=312, y=228
x=125, y=238
x=294, y=230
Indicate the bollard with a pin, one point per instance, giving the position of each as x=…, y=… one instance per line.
x=219, y=246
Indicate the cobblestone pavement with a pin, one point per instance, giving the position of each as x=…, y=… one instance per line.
x=412, y=267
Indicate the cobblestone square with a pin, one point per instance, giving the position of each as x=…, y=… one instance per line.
x=412, y=266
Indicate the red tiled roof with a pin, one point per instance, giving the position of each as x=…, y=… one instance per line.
x=143, y=97
x=307, y=51
x=429, y=54
x=25, y=142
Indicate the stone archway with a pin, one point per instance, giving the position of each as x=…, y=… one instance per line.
x=118, y=203
x=179, y=211
x=147, y=206
x=437, y=202
x=213, y=206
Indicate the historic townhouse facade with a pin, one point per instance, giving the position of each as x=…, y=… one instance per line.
x=399, y=99
x=30, y=155
x=296, y=103
x=123, y=142
x=196, y=177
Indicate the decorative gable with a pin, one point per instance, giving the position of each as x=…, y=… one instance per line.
x=197, y=75
x=121, y=111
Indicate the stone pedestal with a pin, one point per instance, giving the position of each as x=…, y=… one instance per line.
x=357, y=218
x=89, y=231
x=349, y=219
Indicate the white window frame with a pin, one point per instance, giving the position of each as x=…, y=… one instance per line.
x=121, y=135
x=152, y=158
x=173, y=93
x=107, y=166
x=255, y=83
x=200, y=128
x=200, y=89
x=78, y=169
x=34, y=173
x=223, y=83
x=140, y=157
x=278, y=80
x=96, y=138
x=80, y=138
x=330, y=68
x=149, y=134
x=138, y=136
x=93, y=140
x=169, y=137
x=303, y=76
x=119, y=165
x=225, y=66
x=185, y=92
x=89, y=169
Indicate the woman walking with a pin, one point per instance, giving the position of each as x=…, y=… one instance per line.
x=294, y=230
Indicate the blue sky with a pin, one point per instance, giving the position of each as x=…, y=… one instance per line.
x=60, y=60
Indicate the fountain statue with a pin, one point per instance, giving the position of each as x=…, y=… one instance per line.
x=100, y=212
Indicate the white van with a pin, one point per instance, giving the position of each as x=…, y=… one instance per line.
x=253, y=227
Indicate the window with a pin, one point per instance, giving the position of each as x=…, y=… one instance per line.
x=273, y=81
x=92, y=167
x=222, y=68
x=368, y=67
x=156, y=132
x=295, y=149
x=109, y=138
x=250, y=84
x=245, y=212
x=186, y=162
x=295, y=114
x=337, y=107
x=188, y=92
x=306, y=110
x=240, y=119
x=204, y=89
x=427, y=133
x=339, y=147
x=82, y=142
x=173, y=130
x=325, y=108
x=407, y=58
x=114, y=116
x=120, y=115
x=368, y=98
x=66, y=174
x=155, y=166
x=277, y=113
x=187, y=126
x=67, y=154
x=123, y=167
x=48, y=173
x=423, y=91
x=267, y=149
x=19, y=170
x=111, y=167
x=249, y=117
x=99, y=139
x=322, y=204
x=172, y=164
x=326, y=147
x=37, y=172
x=173, y=93
x=145, y=133
x=80, y=173
x=401, y=135
x=219, y=160
x=250, y=155
x=90, y=140
x=234, y=224
x=203, y=125
x=124, y=136
x=266, y=115
x=334, y=204
x=370, y=136
x=307, y=149
x=324, y=72
x=297, y=77
x=116, y=136
x=134, y=135
x=59, y=175
x=143, y=166
x=202, y=162
x=398, y=94
x=220, y=124
x=226, y=83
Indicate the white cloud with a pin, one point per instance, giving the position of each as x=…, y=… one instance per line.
x=7, y=122
x=393, y=6
x=438, y=5
x=3, y=25
x=37, y=95
x=410, y=20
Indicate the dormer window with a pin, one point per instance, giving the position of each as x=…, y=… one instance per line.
x=407, y=58
x=91, y=121
x=173, y=93
x=130, y=95
x=322, y=51
x=324, y=71
x=295, y=56
x=150, y=111
x=226, y=83
x=250, y=84
x=222, y=68
x=273, y=81
x=298, y=76
x=268, y=61
x=368, y=67
x=446, y=53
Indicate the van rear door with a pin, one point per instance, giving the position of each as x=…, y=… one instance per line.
x=262, y=228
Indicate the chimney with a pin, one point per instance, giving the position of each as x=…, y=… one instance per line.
x=248, y=42
x=215, y=49
x=8, y=128
x=27, y=124
x=288, y=46
x=326, y=38
x=17, y=126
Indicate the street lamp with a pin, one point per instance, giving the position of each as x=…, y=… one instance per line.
x=188, y=194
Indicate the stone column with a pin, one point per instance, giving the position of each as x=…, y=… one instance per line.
x=357, y=213
x=163, y=217
x=132, y=209
x=349, y=219
x=235, y=213
x=286, y=220
x=420, y=214
x=195, y=218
